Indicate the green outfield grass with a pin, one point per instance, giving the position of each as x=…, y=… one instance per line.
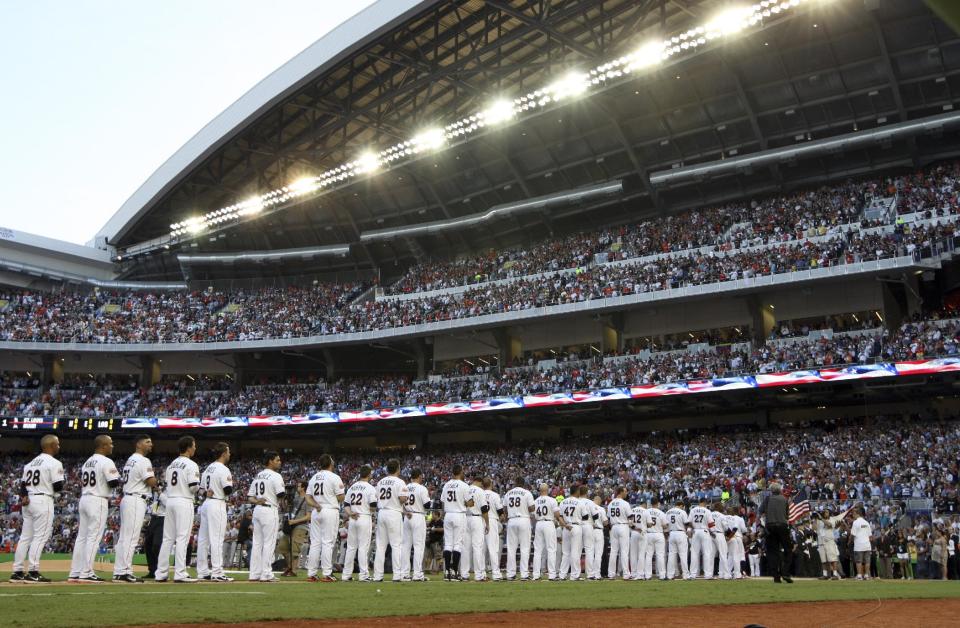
x=108, y=604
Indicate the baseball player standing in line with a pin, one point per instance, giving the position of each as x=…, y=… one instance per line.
x=547, y=513
x=455, y=503
x=571, y=540
x=679, y=524
x=639, y=526
x=599, y=522
x=520, y=505
x=360, y=500
x=414, y=528
x=324, y=494
x=656, y=542
x=138, y=481
x=721, y=526
x=701, y=519
x=474, y=538
x=99, y=477
x=586, y=529
x=493, y=533
x=182, y=478
x=42, y=478
x=265, y=493
x=216, y=483
x=391, y=496
x=736, y=553
x=619, y=514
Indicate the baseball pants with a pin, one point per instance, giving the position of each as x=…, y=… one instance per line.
x=324, y=524
x=177, y=526
x=544, y=542
x=415, y=539
x=735, y=556
x=720, y=542
x=597, y=552
x=36, y=530
x=656, y=544
x=678, y=551
x=638, y=556
x=93, y=521
x=389, y=532
x=493, y=549
x=701, y=545
x=454, y=530
x=518, y=537
x=587, y=543
x=132, y=510
x=266, y=524
x=754, y=565
x=359, y=531
x=572, y=545
x=619, y=549
x=474, y=542
x=213, y=527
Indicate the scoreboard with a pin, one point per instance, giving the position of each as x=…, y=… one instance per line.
x=61, y=424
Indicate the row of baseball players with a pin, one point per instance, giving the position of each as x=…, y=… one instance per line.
x=472, y=516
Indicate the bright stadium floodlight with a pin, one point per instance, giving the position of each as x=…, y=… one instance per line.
x=498, y=112
x=730, y=22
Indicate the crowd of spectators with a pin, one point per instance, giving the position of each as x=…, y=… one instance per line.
x=909, y=458
x=198, y=396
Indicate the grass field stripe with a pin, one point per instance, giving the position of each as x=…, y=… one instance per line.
x=181, y=593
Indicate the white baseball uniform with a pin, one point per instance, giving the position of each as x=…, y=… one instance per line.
x=720, y=526
x=619, y=514
x=639, y=528
x=736, y=553
x=97, y=472
x=572, y=540
x=519, y=503
x=474, y=538
x=493, y=532
x=391, y=495
x=454, y=498
x=600, y=520
x=213, y=520
x=677, y=521
x=268, y=485
x=414, y=530
x=133, y=508
x=324, y=487
x=701, y=545
x=361, y=499
x=41, y=476
x=182, y=477
x=656, y=543
x=545, y=508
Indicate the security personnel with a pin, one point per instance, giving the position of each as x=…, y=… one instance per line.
x=153, y=538
x=775, y=509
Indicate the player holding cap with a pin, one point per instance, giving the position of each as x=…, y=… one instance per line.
x=182, y=478
x=324, y=494
x=98, y=477
x=138, y=481
x=265, y=493
x=360, y=501
x=678, y=524
x=520, y=505
x=496, y=514
x=391, y=495
x=42, y=478
x=474, y=538
x=547, y=513
x=414, y=527
x=216, y=484
x=701, y=519
x=455, y=503
x=656, y=543
x=620, y=516
x=721, y=526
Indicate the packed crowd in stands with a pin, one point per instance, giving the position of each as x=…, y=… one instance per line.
x=122, y=396
x=806, y=230
x=909, y=458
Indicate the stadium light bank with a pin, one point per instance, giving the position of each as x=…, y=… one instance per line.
x=728, y=23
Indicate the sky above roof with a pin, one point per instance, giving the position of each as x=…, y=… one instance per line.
x=98, y=94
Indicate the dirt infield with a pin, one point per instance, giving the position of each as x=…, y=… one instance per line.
x=914, y=613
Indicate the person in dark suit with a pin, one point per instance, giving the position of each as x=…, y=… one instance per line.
x=774, y=509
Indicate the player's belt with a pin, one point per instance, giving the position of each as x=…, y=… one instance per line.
x=219, y=499
x=140, y=495
x=416, y=512
x=522, y=517
x=40, y=495
x=473, y=515
x=265, y=505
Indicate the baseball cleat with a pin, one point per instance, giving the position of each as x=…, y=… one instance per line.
x=421, y=579
x=313, y=579
x=270, y=580
x=18, y=576
x=363, y=579
x=35, y=576
x=205, y=578
x=328, y=579
x=126, y=578
x=221, y=579
x=186, y=580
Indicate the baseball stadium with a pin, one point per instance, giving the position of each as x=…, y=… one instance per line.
x=513, y=312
